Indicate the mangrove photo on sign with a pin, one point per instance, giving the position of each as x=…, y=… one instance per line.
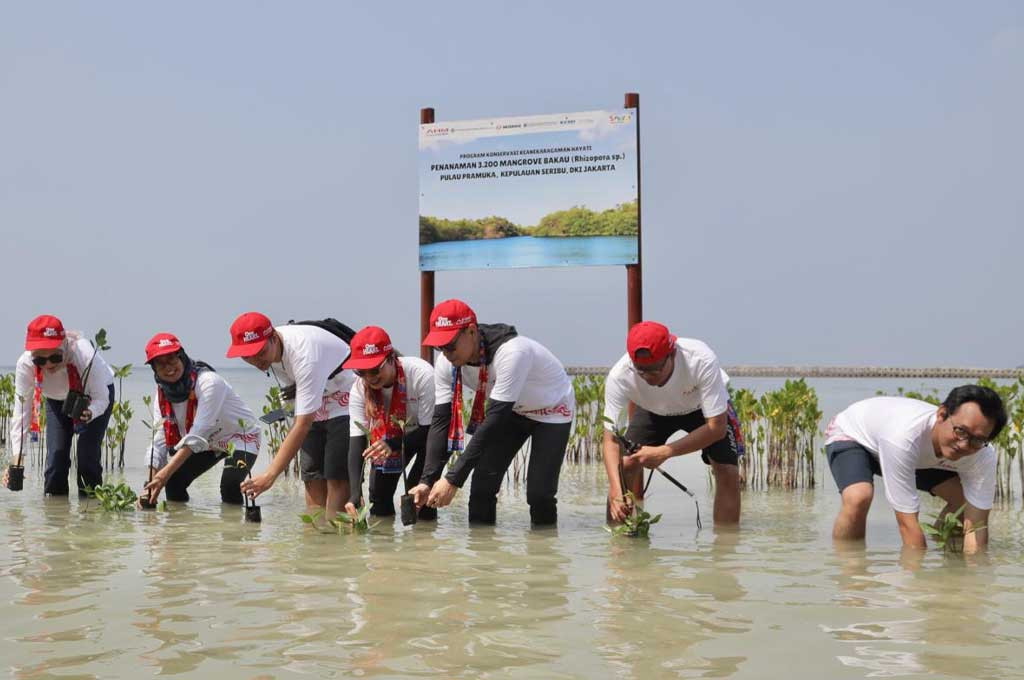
x=531, y=191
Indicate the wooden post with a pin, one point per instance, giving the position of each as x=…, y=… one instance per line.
x=634, y=272
x=426, y=278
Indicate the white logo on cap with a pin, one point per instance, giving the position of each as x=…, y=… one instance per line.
x=369, y=349
x=50, y=333
x=164, y=342
x=250, y=336
x=443, y=322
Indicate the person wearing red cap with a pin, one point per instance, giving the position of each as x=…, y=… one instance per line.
x=307, y=360
x=393, y=401
x=55, y=363
x=199, y=417
x=675, y=384
x=529, y=396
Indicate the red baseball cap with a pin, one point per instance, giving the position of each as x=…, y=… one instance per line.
x=447, y=319
x=370, y=347
x=651, y=336
x=249, y=333
x=44, y=332
x=161, y=344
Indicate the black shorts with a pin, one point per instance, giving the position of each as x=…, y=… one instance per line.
x=852, y=463
x=650, y=429
x=324, y=452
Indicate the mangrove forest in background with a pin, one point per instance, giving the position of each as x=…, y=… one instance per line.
x=622, y=220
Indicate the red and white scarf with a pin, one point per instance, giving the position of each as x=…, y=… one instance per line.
x=385, y=422
x=172, y=433
x=456, y=433
x=74, y=384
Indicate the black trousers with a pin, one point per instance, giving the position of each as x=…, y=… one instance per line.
x=547, y=452
x=59, y=431
x=199, y=462
x=383, y=485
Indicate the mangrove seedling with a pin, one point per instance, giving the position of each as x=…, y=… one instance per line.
x=145, y=500
x=637, y=524
x=16, y=470
x=252, y=511
x=113, y=497
x=948, y=531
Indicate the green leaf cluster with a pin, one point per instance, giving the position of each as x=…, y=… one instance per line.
x=637, y=524
x=113, y=497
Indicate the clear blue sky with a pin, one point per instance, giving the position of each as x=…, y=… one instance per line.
x=822, y=182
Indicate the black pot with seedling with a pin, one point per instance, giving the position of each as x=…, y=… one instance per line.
x=16, y=471
x=77, y=401
x=407, y=501
x=252, y=511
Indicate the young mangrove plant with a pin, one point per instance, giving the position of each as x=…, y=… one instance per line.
x=145, y=502
x=113, y=497
x=779, y=431
x=253, y=513
x=343, y=523
x=948, y=531
x=7, y=399
x=637, y=524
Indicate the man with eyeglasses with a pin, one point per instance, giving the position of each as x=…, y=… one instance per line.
x=307, y=359
x=913, y=445
x=528, y=395
x=674, y=384
x=389, y=411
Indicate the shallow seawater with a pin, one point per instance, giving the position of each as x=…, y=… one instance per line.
x=196, y=592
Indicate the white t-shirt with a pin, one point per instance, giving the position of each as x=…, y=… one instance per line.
x=310, y=355
x=419, y=404
x=697, y=383
x=524, y=372
x=898, y=431
x=55, y=385
x=218, y=410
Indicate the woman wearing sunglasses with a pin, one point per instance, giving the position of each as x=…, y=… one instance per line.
x=57, y=363
x=390, y=408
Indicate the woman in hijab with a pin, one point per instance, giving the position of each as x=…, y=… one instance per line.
x=198, y=419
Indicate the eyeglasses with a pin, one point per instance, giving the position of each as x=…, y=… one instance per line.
x=964, y=435
x=450, y=347
x=53, y=359
x=650, y=369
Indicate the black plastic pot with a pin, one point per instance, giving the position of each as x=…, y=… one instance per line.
x=75, y=403
x=253, y=514
x=15, y=477
x=144, y=501
x=408, y=509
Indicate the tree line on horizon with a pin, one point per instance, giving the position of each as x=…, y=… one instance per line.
x=622, y=220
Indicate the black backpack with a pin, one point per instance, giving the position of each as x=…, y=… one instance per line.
x=334, y=327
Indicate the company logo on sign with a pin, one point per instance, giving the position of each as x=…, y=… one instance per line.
x=435, y=132
x=250, y=336
x=51, y=333
x=618, y=119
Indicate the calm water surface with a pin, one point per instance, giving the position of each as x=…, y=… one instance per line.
x=527, y=251
x=195, y=592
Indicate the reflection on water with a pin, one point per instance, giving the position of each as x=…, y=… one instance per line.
x=196, y=592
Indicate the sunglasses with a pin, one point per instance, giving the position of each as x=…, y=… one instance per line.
x=450, y=347
x=53, y=359
x=650, y=369
x=371, y=372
